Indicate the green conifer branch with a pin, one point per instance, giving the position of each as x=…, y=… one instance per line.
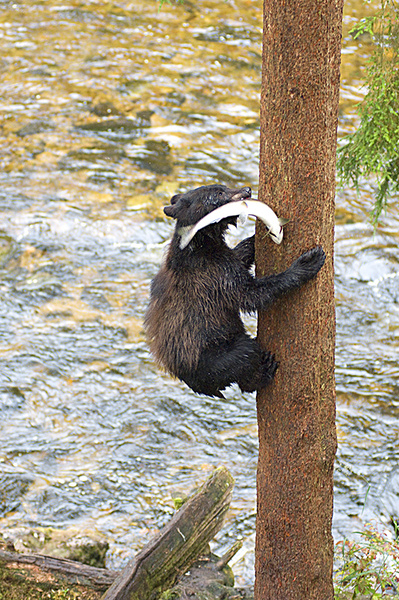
x=373, y=149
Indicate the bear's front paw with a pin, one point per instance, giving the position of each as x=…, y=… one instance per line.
x=268, y=367
x=310, y=263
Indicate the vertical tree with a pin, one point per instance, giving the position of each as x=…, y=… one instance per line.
x=296, y=414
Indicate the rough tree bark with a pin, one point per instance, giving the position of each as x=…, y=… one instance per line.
x=296, y=414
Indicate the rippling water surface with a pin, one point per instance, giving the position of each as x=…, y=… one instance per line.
x=108, y=109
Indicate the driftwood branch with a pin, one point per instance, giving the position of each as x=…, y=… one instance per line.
x=160, y=563
x=178, y=545
x=62, y=569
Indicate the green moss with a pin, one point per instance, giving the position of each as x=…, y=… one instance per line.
x=169, y=595
x=21, y=586
x=92, y=554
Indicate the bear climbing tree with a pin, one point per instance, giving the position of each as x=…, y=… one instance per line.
x=296, y=415
x=193, y=321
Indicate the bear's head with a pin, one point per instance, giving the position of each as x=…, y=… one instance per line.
x=190, y=207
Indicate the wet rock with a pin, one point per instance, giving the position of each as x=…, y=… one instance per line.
x=207, y=581
x=86, y=158
x=175, y=98
x=105, y=109
x=132, y=85
x=37, y=287
x=35, y=127
x=66, y=543
x=39, y=281
x=202, y=166
x=245, y=593
x=89, y=552
x=12, y=488
x=122, y=128
x=8, y=248
x=155, y=157
x=11, y=398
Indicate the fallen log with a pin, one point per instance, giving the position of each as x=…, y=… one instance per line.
x=178, y=545
x=62, y=570
x=160, y=563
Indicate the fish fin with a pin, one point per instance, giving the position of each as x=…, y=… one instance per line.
x=282, y=221
x=184, y=233
x=243, y=217
x=184, y=230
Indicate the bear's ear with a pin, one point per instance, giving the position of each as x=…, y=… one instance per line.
x=170, y=211
x=178, y=205
x=175, y=198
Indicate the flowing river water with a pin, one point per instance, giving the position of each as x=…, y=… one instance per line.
x=108, y=108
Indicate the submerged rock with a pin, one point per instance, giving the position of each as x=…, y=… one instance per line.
x=105, y=109
x=155, y=157
x=86, y=158
x=122, y=128
x=35, y=127
x=13, y=486
x=8, y=247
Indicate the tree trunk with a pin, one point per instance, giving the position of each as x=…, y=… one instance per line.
x=296, y=413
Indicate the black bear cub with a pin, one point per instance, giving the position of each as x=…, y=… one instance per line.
x=193, y=320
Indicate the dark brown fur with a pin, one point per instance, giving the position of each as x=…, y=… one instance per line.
x=193, y=322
